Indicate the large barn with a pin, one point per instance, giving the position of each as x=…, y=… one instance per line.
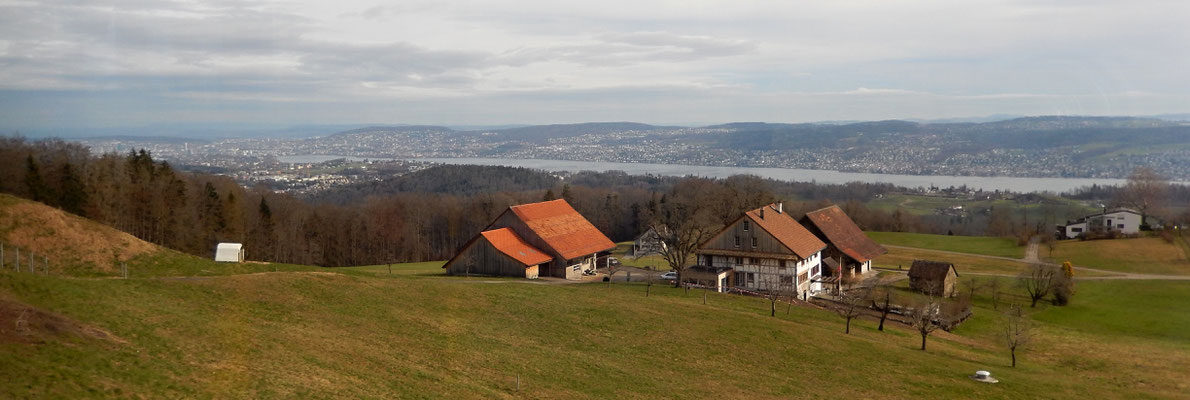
x=548, y=238
x=849, y=251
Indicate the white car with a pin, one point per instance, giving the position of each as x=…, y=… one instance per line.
x=671, y=275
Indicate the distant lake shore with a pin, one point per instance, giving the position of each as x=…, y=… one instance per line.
x=1015, y=184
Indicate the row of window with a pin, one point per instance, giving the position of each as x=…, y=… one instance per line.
x=737, y=242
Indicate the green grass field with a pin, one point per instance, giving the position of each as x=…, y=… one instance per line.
x=992, y=246
x=362, y=332
x=1148, y=255
x=653, y=261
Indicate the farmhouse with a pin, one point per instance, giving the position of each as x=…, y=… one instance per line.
x=934, y=277
x=647, y=243
x=548, y=238
x=764, y=249
x=1120, y=220
x=229, y=252
x=848, y=249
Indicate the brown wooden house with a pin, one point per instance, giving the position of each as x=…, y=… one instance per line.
x=551, y=228
x=849, y=250
x=933, y=277
x=764, y=249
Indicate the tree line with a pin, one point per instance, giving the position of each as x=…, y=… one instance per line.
x=421, y=216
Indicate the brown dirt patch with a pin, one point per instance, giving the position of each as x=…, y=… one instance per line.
x=67, y=240
x=23, y=323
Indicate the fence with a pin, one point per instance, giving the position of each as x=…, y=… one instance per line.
x=13, y=258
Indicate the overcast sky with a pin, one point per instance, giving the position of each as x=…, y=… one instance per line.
x=128, y=63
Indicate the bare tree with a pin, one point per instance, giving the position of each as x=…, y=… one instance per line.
x=611, y=272
x=1145, y=191
x=925, y=313
x=851, y=303
x=1017, y=329
x=994, y=287
x=882, y=300
x=1038, y=282
x=681, y=234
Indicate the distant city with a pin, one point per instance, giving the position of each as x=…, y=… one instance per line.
x=1064, y=147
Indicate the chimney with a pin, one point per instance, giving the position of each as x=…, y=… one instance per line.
x=780, y=208
x=762, y=213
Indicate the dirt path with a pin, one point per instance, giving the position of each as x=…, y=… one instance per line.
x=1110, y=274
x=1031, y=250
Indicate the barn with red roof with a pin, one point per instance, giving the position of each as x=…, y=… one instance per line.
x=849, y=251
x=549, y=238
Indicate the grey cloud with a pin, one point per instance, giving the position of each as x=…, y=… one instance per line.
x=631, y=48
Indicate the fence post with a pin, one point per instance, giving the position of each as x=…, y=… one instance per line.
x=1, y=255
x=18, y=263
x=47, y=265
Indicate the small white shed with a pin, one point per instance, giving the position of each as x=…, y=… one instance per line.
x=229, y=252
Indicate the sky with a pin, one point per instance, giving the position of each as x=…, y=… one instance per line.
x=98, y=64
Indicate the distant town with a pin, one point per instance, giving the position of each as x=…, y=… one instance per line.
x=1026, y=147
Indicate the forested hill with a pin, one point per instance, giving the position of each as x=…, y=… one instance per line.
x=453, y=179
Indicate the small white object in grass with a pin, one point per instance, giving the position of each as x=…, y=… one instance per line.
x=984, y=376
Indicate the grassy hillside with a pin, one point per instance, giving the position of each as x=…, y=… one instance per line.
x=76, y=246
x=366, y=333
x=1148, y=255
x=992, y=246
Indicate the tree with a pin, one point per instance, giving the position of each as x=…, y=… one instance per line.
x=1017, y=329
x=37, y=189
x=1145, y=192
x=73, y=194
x=925, y=313
x=882, y=300
x=994, y=286
x=1064, y=284
x=850, y=303
x=1038, y=282
x=682, y=223
x=549, y=195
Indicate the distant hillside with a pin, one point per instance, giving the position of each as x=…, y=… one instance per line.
x=449, y=179
x=71, y=242
x=543, y=133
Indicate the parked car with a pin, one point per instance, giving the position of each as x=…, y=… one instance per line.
x=671, y=275
x=613, y=261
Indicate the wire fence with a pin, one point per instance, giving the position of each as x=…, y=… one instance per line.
x=13, y=258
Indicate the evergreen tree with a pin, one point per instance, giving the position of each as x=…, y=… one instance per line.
x=73, y=194
x=34, y=183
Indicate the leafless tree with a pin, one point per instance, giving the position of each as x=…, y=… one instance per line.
x=851, y=303
x=924, y=314
x=681, y=240
x=1017, y=329
x=611, y=272
x=1145, y=192
x=994, y=287
x=882, y=300
x=1038, y=281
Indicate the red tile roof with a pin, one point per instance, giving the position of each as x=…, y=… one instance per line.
x=507, y=242
x=844, y=234
x=786, y=230
x=563, y=228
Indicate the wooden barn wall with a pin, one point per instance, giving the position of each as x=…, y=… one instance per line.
x=481, y=258
x=765, y=242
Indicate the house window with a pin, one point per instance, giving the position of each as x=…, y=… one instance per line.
x=787, y=280
x=1076, y=230
x=801, y=277
x=754, y=239
x=814, y=271
x=737, y=241
x=746, y=226
x=781, y=264
x=1121, y=226
x=739, y=260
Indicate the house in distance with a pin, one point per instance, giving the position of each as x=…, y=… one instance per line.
x=933, y=277
x=849, y=251
x=1121, y=220
x=764, y=249
x=548, y=238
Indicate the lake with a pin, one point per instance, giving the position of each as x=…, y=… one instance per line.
x=1015, y=184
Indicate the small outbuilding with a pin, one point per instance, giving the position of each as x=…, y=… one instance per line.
x=229, y=252
x=933, y=277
